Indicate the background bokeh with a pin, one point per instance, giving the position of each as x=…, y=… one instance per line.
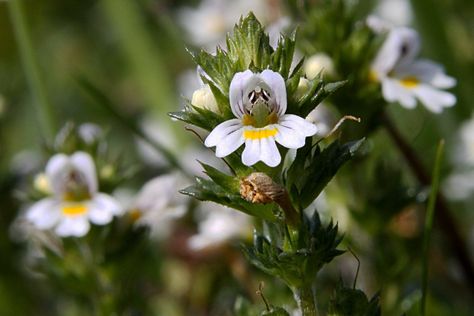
x=135, y=51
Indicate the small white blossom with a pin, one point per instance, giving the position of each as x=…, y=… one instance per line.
x=159, y=203
x=317, y=63
x=405, y=79
x=75, y=200
x=258, y=100
x=397, y=12
x=219, y=225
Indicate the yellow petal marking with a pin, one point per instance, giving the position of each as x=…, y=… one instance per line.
x=74, y=209
x=410, y=82
x=260, y=133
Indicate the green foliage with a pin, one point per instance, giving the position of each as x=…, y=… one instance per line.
x=295, y=257
x=312, y=169
x=352, y=302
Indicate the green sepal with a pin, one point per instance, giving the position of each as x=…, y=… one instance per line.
x=208, y=190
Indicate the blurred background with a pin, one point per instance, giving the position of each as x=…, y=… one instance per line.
x=136, y=53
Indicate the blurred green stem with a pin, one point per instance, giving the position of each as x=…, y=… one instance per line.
x=143, y=54
x=32, y=70
x=444, y=219
x=304, y=296
x=429, y=223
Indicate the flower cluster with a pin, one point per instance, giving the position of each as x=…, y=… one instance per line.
x=75, y=199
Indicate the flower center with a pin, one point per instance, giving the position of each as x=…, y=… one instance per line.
x=74, y=209
x=76, y=188
x=410, y=82
x=260, y=109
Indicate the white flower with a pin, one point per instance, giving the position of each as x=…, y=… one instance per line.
x=466, y=149
x=398, y=12
x=75, y=200
x=258, y=100
x=405, y=79
x=219, y=225
x=317, y=63
x=159, y=203
x=323, y=117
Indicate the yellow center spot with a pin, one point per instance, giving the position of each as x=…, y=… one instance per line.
x=259, y=134
x=74, y=209
x=410, y=82
x=135, y=215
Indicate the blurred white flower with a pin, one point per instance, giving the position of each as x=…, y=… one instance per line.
x=460, y=184
x=323, y=118
x=465, y=152
x=397, y=12
x=158, y=204
x=89, y=132
x=75, y=200
x=219, y=225
x=258, y=100
x=208, y=24
x=405, y=79
x=317, y=63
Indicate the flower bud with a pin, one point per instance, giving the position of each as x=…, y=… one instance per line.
x=203, y=98
x=317, y=63
x=303, y=87
x=41, y=183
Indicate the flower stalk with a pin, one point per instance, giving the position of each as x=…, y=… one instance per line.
x=305, y=298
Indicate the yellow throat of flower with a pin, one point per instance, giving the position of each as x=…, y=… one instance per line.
x=260, y=117
x=74, y=209
x=410, y=82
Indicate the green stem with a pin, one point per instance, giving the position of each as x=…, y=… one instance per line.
x=305, y=298
x=429, y=223
x=31, y=68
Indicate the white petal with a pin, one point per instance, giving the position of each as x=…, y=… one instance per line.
x=276, y=82
x=289, y=138
x=221, y=131
x=56, y=168
x=298, y=124
x=393, y=91
x=83, y=163
x=103, y=208
x=73, y=226
x=251, y=154
x=237, y=89
x=44, y=214
x=269, y=152
x=429, y=72
x=230, y=143
x=433, y=99
x=401, y=46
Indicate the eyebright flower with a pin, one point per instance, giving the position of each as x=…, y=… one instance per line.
x=405, y=79
x=258, y=100
x=158, y=204
x=75, y=200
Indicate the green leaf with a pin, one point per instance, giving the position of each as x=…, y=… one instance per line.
x=312, y=171
x=208, y=190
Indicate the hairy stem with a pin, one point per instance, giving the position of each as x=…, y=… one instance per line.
x=304, y=296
